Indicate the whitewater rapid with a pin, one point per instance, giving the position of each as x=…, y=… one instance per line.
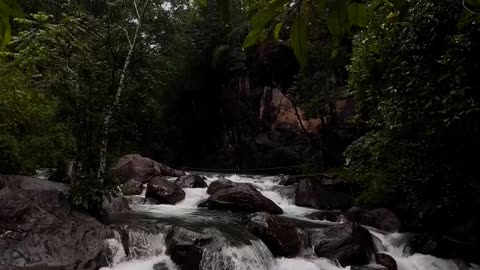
x=247, y=257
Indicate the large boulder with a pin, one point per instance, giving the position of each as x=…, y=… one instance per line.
x=386, y=260
x=164, y=191
x=280, y=235
x=132, y=187
x=191, y=181
x=349, y=243
x=382, y=218
x=186, y=247
x=324, y=195
x=219, y=185
x=38, y=226
x=142, y=169
x=286, y=180
x=241, y=197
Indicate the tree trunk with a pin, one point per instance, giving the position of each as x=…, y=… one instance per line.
x=121, y=87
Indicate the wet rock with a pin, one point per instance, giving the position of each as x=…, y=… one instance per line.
x=160, y=266
x=132, y=187
x=379, y=245
x=368, y=267
x=382, y=218
x=332, y=215
x=241, y=197
x=323, y=195
x=142, y=169
x=38, y=226
x=349, y=243
x=286, y=180
x=212, y=248
x=186, y=247
x=191, y=181
x=164, y=191
x=142, y=239
x=118, y=204
x=287, y=192
x=281, y=236
x=444, y=246
x=140, y=200
x=386, y=260
x=219, y=185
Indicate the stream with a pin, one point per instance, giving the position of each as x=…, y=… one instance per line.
x=255, y=255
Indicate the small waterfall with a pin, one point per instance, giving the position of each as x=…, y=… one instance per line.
x=304, y=264
x=144, y=191
x=147, y=264
x=115, y=250
x=145, y=247
x=394, y=245
x=193, y=196
x=255, y=256
x=143, y=242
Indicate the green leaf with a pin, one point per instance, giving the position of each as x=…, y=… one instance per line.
x=6, y=37
x=8, y=9
x=4, y=31
x=334, y=53
x=258, y=22
x=276, y=31
x=266, y=15
x=473, y=2
x=337, y=20
x=252, y=38
x=357, y=14
x=298, y=39
x=261, y=19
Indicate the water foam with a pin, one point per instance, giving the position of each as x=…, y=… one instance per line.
x=193, y=196
x=255, y=256
x=394, y=245
x=305, y=264
x=146, y=264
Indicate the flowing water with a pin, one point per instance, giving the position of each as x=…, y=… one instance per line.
x=255, y=255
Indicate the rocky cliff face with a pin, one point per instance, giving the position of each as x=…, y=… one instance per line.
x=244, y=120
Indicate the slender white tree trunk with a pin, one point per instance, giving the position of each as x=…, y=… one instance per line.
x=121, y=87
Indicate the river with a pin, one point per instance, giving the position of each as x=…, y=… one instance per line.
x=256, y=255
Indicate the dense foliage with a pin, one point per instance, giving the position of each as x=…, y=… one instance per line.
x=415, y=81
